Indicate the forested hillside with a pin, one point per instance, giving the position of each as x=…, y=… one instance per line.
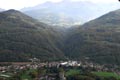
x=97, y=40
x=22, y=38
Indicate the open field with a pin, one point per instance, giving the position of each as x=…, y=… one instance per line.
x=107, y=74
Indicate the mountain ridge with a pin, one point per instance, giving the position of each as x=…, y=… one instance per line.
x=69, y=12
x=98, y=40
x=22, y=38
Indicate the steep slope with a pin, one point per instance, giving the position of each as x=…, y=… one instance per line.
x=97, y=40
x=22, y=38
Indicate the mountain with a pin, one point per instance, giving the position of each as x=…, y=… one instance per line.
x=23, y=38
x=68, y=13
x=111, y=19
x=97, y=40
x=1, y=10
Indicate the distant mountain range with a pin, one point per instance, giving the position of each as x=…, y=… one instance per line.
x=69, y=13
x=23, y=38
x=1, y=10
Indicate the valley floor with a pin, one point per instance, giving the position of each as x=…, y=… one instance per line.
x=63, y=70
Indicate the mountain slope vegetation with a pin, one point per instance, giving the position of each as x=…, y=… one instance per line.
x=22, y=38
x=97, y=40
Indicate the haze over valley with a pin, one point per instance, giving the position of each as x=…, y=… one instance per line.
x=69, y=13
x=60, y=40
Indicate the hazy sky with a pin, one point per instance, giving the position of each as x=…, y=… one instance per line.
x=18, y=4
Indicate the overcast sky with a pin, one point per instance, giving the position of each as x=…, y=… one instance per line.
x=18, y=4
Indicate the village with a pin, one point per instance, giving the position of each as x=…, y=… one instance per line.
x=7, y=70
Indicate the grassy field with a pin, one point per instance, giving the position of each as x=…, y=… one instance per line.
x=107, y=74
x=72, y=72
x=26, y=76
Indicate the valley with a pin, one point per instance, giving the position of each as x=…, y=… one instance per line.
x=65, y=70
x=45, y=43
x=23, y=38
